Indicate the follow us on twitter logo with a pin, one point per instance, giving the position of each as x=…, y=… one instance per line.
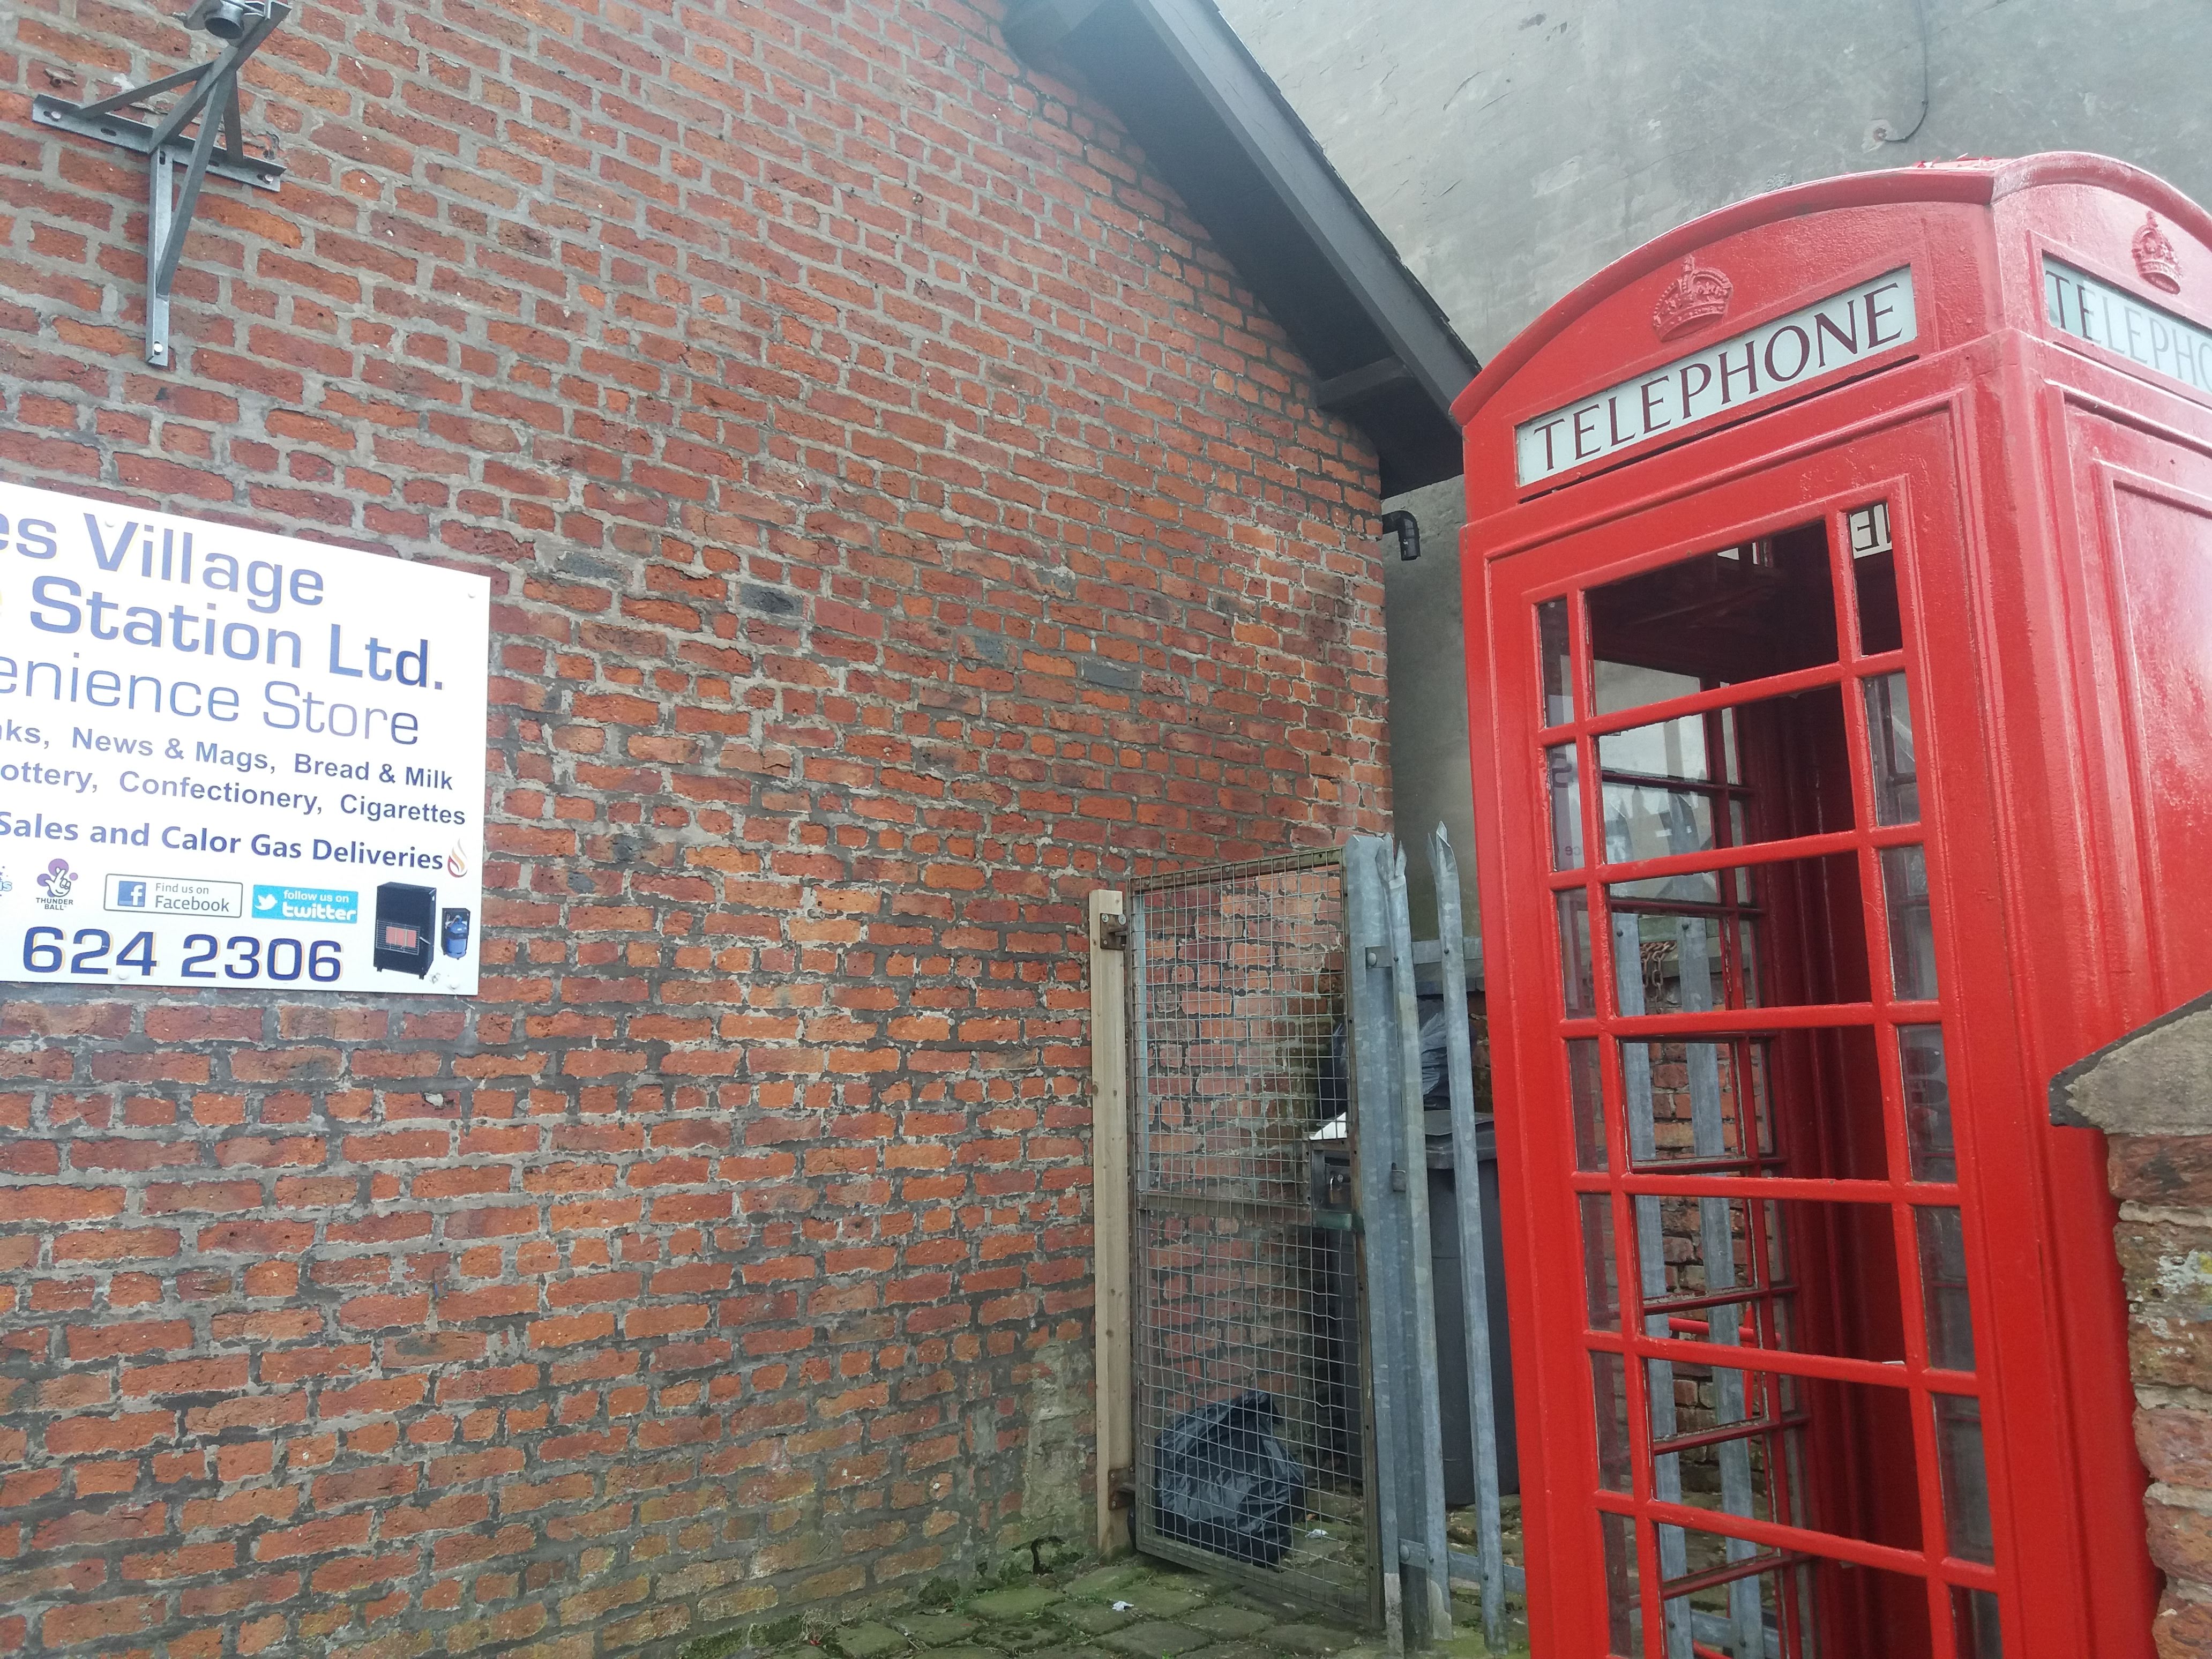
x=306, y=904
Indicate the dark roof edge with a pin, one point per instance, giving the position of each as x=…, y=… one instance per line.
x=1194, y=44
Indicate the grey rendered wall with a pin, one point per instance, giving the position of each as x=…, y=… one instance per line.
x=1512, y=149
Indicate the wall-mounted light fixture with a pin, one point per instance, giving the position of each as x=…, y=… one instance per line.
x=211, y=93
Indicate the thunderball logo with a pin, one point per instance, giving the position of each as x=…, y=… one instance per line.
x=59, y=882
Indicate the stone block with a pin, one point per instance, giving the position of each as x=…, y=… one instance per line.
x=2176, y=1445
x=2180, y=1540
x=2170, y=1170
x=2183, y=1629
x=1006, y=1605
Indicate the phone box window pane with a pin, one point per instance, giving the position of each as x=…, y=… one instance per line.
x=1567, y=793
x=1889, y=741
x=1926, y=1103
x=1911, y=923
x=1974, y=1620
x=1965, y=1480
x=1943, y=1287
x=1873, y=574
x=1623, y=1604
x=1601, y=1265
x=1578, y=982
x=1732, y=1439
x=1805, y=1104
x=1790, y=1275
x=1670, y=949
x=1558, y=663
x=1665, y=782
x=1609, y=1390
x=1742, y=613
x=1587, y=1099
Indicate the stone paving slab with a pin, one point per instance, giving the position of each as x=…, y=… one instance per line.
x=1164, y=1598
x=869, y=1641
x=1312, y=1639
x=1006, y=1606
x=1168, y=1612
x=1024, y=1638
x=937, y=1630
x=1155, y=1638
x=1101, y=1583
x=1098, y=1620
x=1226, y=1623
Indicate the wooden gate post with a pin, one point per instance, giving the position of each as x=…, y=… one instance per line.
x=1109, y=1211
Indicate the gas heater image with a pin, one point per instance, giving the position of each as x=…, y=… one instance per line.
x=406, y=928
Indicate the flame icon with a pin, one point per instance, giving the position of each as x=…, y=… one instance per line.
x=456, y=865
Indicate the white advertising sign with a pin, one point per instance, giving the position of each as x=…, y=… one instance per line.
x=233, y=760
x=1815, y=341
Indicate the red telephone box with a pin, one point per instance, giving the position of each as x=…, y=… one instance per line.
x=1838, y=583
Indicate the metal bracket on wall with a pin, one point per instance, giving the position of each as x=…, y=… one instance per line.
x=211, y=93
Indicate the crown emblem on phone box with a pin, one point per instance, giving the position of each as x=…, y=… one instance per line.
x=1700, y=295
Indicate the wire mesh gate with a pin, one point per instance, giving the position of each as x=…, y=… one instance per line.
x=1280, y=1281
x=1245, y=1283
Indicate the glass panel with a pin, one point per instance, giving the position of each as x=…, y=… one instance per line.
x=1761, y=1604
x=1742, y=613
x=1600, y=1282
x=1676, y=955
x=1559, y=665
x=1966, y=1483
x=1974, y=1617
x=1560, y=767
x=1665, y=782
x=1868, y=529
x=1807, y=1277
x=1609, y=1388
x=1889, y=736
x=1587, y=1093
x=1670, y=749
x=1926, y=1103
x=1577, y=978
x=1623, y=1608
x=1734, y=1441
x=1703, y=1103
x=1873, y=570
x=1805, y=1104
x=1943, y=1288
x=1912, y=924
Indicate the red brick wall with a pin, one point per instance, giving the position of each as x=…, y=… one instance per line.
x=898, y=521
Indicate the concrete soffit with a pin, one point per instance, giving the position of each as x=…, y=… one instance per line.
x=1212, y=121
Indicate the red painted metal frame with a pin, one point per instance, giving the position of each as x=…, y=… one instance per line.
x=2015, y=461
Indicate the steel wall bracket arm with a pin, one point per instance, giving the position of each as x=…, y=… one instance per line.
x=211, y=92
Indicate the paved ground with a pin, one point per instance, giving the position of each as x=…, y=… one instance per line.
x=1131, y=1608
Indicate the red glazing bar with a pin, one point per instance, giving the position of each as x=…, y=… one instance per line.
x=1691, y=1583
x=1735, y=1022
x=1744, y=1430
x=1721, y=1298
x=1721, y=697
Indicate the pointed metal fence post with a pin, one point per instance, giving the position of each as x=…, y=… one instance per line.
x=1374, y=1159
x=1475, y=1284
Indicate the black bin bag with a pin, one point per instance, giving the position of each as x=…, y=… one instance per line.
x=1223, y=1482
